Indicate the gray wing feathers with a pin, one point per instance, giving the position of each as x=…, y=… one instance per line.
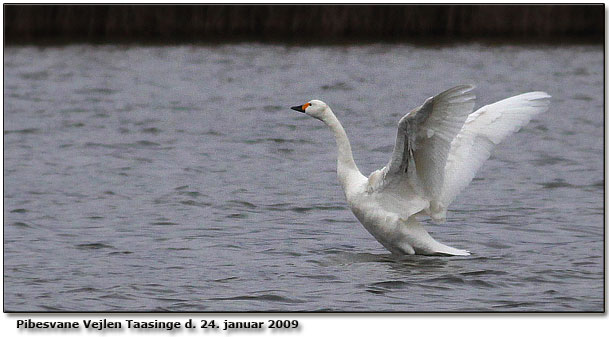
x=425, y=134
x=405, y=141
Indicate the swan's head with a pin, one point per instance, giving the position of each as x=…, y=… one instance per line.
x=315, y=108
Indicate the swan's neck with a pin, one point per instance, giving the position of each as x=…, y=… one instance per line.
x=346, y=168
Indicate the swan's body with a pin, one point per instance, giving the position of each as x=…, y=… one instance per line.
x=439, y=147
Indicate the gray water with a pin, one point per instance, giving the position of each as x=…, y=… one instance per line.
x=177, y=178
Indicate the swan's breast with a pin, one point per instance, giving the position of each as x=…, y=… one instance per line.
x=378, y=221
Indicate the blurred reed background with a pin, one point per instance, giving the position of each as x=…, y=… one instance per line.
x=317, y=23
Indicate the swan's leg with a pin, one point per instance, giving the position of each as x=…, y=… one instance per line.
x=417, y=237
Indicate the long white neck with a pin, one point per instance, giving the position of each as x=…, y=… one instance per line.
x=346, y=168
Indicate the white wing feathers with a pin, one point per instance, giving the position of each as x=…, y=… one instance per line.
x=450, y=111
x=441, y=145
x=483, y=129
x=414, y=175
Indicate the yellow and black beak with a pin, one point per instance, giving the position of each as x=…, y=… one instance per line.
x=301, y=108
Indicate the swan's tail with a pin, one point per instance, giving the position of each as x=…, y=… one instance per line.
x=422, y=243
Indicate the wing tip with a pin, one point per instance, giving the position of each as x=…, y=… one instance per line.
x=539, y=99
x=542, y=95
x=463, y=88
x=535, y=95
x=462, y=93
x=468, y=86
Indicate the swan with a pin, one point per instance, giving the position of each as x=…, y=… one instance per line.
x=439, y=147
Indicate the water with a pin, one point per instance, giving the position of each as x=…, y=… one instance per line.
x=177, y=178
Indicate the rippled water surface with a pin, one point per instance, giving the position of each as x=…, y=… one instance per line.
x=177, y=178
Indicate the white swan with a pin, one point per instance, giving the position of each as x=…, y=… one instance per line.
x=439, y=147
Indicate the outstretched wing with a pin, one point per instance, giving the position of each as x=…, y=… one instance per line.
x=484, y=129
x=425, y=134
x=422, y=146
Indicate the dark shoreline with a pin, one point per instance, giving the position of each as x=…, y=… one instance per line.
x=302, y=24
x=431, y=43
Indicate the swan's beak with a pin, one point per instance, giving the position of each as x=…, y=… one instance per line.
x=300, y=108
